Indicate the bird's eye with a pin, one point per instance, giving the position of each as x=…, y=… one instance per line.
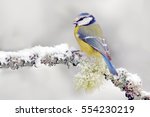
x=81, y=18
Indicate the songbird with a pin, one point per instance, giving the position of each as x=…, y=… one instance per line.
x=90, y=38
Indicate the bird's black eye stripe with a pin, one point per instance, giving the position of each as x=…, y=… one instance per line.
x=81, y=18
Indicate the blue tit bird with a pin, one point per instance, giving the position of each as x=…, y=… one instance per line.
x=90, y=38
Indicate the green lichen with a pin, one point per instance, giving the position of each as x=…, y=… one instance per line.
x=91, y=74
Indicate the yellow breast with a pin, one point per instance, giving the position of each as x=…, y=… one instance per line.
x=84, y=46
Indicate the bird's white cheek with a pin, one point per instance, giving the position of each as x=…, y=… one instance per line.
x=84, y=21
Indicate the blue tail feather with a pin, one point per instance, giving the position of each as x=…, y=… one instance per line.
x=110, y=65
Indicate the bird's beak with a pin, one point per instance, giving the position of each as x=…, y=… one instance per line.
x=75, y=23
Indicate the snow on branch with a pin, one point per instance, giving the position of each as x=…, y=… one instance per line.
x=91, y=72
x=38, y=55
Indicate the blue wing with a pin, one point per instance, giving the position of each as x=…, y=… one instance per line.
x=95, y=41
x=94, y=31
x=97, y=45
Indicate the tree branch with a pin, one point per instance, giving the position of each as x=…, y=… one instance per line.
x=62, y=54
x=38, y=55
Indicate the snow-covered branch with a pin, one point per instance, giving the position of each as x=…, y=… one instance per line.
x=130, y=83
x=90, y=75
x=38, y=55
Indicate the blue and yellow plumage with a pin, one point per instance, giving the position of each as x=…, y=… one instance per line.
x=90, y=38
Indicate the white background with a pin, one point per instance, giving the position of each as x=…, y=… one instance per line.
x=27, y=23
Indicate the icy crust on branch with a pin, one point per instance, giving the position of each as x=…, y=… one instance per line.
x=38, y=55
